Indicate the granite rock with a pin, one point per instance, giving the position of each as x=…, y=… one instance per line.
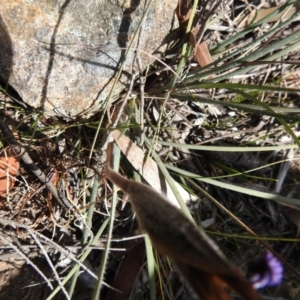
x=62, y=56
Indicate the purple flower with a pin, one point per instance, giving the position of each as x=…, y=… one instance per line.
x=266, y=271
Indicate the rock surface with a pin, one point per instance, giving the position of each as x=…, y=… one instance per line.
x=62, y=56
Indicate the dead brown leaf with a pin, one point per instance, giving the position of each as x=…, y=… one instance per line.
x=9, y=168
x=192, y=36
x=202, y=54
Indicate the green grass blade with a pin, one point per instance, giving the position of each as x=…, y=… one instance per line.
x=228, y=149
x=235, y=188
x=213, y=67
x=96, y=292
x=235, y=86
x=82, y=258
x=241, y=106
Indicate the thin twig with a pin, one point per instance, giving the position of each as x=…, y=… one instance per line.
x=31, y=165
x=15, y=224
x=28, y=261
x=50, y=265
